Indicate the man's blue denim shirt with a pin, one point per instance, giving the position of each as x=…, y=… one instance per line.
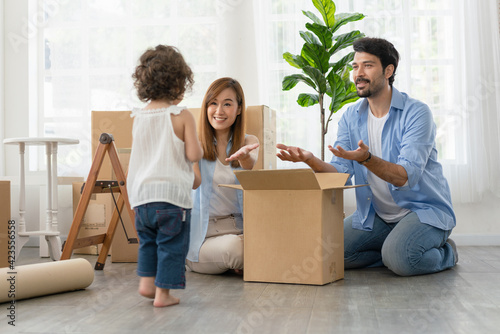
x=408, y=139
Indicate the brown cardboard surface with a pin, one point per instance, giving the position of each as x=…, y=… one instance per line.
x=124, y=156
x=293, y=234
x=121, y=250
x=260, y=122
x=117, y=123
x=96, y=219
x=4, y=222
x=290, y=179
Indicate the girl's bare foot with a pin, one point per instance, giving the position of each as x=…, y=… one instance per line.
x=163, y=298
x=147, y=287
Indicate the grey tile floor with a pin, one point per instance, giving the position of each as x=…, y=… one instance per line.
x=465, y=299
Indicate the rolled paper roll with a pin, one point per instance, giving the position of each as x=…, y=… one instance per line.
x=34, y=280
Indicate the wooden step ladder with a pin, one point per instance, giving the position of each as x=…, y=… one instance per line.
x=106, y=145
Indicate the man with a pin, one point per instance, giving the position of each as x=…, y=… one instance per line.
x=387, y=140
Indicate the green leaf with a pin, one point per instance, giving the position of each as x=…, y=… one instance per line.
x=345, y=61
x=345, y=40
x=312, y=16
x=352, y=89
x=349, y=98
x=296, y=61
x=291, y=81
x=324, y=34
x=318, y=78
x=327, y=10
x=344, y=18
x=336, y=91
x=309, y=38
x=307, y=100
x=316, y=56
x=344, y=74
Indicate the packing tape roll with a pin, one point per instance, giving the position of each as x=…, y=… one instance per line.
x=34, y=280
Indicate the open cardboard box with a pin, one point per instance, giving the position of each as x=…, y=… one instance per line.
x=293, y=225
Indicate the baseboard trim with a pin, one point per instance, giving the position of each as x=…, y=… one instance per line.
x=476, y=239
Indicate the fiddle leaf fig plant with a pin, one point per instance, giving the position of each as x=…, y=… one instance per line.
x=320, y=70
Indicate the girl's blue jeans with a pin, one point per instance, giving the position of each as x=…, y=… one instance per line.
x=163, y=231
x=407, y=247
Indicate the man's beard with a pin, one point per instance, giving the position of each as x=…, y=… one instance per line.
x=366, y=92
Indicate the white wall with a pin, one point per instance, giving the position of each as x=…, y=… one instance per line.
x=16, y=88
x=18, y=30
x=477, y=223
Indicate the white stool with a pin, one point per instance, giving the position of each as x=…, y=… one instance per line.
x=51, y=231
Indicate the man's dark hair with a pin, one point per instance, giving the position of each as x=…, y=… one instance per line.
x=381, y=48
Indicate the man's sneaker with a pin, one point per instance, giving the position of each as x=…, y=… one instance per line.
x=454, y=248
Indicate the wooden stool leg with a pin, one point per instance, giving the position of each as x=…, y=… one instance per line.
x=84, y=202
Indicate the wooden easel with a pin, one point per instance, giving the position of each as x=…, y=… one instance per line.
x=106, y=144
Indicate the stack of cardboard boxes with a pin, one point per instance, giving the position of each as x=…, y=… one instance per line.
x=293, y=218
x=261, y=122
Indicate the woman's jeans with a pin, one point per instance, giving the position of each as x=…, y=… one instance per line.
x=163, y=231
x=407, y=247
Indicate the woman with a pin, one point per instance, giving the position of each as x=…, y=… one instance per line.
x=216, y=240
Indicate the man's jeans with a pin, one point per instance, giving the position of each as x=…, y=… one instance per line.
x=407, y=247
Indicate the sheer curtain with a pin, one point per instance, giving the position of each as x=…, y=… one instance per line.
x=479, y=103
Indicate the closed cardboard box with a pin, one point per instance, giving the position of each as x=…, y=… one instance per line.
x=293, y=226
x=117, y=123
x=121, y=249
x=261, y=122
x=96, y=219
x=4, y=223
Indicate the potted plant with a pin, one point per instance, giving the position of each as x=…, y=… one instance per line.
x=322, y=42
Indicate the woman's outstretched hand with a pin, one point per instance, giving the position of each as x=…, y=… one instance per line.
x=243, y=152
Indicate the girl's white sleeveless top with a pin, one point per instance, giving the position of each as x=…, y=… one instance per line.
x=158, y=169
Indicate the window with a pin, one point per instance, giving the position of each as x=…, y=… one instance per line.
x=89, y=51
x=449, y=60
x=421, y=32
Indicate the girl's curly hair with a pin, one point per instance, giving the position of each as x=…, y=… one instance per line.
x=162, y=73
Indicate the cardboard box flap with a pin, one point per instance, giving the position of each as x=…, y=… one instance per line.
x=289, y=179
x=332, y=180
x=233, y=186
